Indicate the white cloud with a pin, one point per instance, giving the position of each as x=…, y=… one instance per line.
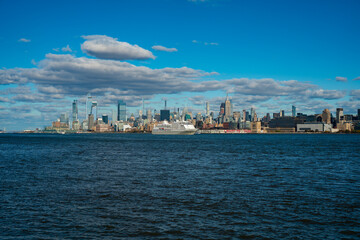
x=355, y=94
x=357, y=78
x=105, y=47
x=211, y=43
x=341, y=79
x=66, y=49
x=327, y=94
x=24, y=40
x=165, y=49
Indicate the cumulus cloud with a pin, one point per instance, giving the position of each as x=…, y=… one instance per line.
x=164, y=49
x=66, y=49
x=105, y=47
x=78, y=76
x=327, y=94
x=24, y=40
x=4, y=99
x=355, y=94
x=358, y=78
x=341, y=79
x=267, y=87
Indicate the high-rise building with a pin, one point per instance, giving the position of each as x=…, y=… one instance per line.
x=252, y=110
x=93, y=109
x=88, y=104
x=293, y=111
x=90, y=121
x=148, y=115
x=282, y=113
x=207, y=109
x=105, y=118
x=244, y=116
x=164, y=115
x=227, y=107
x=358, y=114
x=121, y=111
x=75, y=112
x=64, y=118
x=339, y=114
x=222, y=109
x=326, y=116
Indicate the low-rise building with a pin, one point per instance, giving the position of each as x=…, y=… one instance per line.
x=314, y=127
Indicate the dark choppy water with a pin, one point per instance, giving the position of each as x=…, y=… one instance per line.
x=182, y=187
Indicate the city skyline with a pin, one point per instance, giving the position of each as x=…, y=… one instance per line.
x=266, y=56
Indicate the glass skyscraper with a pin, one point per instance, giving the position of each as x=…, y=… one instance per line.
x=75, y=111
x=121, y=111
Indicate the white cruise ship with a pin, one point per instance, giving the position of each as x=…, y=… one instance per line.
x=175, y=128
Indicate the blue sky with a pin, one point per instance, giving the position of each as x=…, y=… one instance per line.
x=264, y=54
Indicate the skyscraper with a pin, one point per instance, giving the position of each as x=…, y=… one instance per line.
x=244, y=115
x=207, y=109
x=293, y=111
x=105, y=118
x=326, y=116
x=252, y=114
x=75, y=112
x=222, y=109
x=227, y=107
x=339, y=114
x=93, y=109
x=121, y=111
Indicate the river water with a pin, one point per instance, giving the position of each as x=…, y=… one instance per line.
x=141, y=186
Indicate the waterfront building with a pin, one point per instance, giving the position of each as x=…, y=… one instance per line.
x=293, y=111
x=284, y=124
x=121, y=107
x=90, y=121
x=314, y=127
x=244, y=116
x=276, y=115
x=339, y=115
x=252, y=110
x=358, y=114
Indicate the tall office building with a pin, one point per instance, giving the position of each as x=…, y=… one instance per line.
x=64, y=118
x=93, y=109
x=252, y=114
x=88, y=104
x=121, y=111
x=358, y=114
x=105, y=118
x=244, y=116
x=227, y=107
x=293, y=111
x=339, y=114
x=164, y=115
x=326, y=116
x=222, y=109
x=282, y=113
x=207, y=109
x=148, y=115
x=75, y=112
x=90, y=121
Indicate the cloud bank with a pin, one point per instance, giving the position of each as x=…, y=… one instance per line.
x=104, y=47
